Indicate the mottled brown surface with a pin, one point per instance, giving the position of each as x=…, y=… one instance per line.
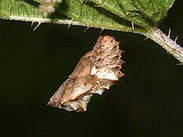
x=104, y=59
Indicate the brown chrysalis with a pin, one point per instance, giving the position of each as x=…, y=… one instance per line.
x=96, y=71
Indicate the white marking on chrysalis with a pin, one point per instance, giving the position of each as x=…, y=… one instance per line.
x=103, y=73
x=75, y=105
x=93, y=71
x=86, y=98
x=79, y=91
x=100, y=91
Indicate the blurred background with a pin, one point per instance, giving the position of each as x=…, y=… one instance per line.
x=147, y=102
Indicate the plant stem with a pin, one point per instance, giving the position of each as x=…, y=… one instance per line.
x=167, y=43
x=155, y=34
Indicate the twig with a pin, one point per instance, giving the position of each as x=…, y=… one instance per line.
x=167, y=43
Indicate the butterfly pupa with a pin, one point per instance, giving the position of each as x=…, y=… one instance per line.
x=96, y=71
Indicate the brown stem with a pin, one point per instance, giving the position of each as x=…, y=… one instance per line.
x=167, y=43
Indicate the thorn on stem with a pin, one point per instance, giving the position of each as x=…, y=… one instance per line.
x=101, y=31
x=70, y=24
x=176, y=39
x=32, y=23
x=179, y=64
x=169, y=32
x=145, y=38
x=86, y=29
x=132, y=25
x=39, y=23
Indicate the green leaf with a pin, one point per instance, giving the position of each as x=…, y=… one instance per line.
x=105, y=14
x=77, y=13
x=145, y=13
x=19, y=8
x=91, y=15
x=27, y=10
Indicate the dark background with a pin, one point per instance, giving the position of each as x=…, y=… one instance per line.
x=147, y=102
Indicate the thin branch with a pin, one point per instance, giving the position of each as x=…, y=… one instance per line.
x=167, y=43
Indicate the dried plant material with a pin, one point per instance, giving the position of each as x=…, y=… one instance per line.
x=48, y=6
x=96, y=71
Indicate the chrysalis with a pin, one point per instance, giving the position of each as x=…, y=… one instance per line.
x=96, y=71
